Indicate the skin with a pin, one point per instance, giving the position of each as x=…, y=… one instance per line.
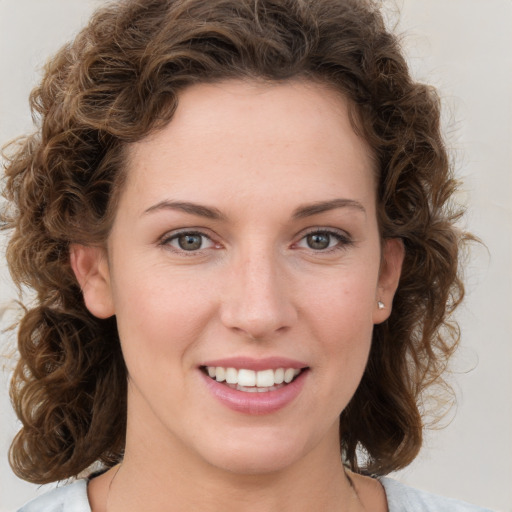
x=256, y=288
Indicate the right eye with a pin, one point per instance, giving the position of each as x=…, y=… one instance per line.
x=188, y=241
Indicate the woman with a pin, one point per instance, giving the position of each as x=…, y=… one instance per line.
x=235, y=216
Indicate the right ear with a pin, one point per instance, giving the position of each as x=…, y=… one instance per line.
x=90, y=265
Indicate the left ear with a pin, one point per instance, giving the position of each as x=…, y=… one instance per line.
x=393, y=252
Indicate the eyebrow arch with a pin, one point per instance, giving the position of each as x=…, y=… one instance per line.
x=324, y=206
x=188, y=207
x=215, y=214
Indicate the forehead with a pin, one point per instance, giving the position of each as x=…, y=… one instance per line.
x=238, y=138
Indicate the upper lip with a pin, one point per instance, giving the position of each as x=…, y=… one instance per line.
x=257, y=364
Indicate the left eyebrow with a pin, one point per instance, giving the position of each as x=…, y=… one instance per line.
x=324, y=206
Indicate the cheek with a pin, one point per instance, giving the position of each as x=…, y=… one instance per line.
x=341, y=318
x=160, y=316
x=345, y=298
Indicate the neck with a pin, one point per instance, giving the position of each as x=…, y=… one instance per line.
x=247, y=493
x=178, y=482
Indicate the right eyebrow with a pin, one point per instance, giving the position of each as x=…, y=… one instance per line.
x=188, y=207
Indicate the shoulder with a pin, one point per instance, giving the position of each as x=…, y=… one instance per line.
x=402, y=498
x=69, y=498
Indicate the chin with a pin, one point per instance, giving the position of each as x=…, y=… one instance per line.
x=255, y=465
x=256, y=454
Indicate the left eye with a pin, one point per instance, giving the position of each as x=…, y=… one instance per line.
x=322, y=240
x=189, y=241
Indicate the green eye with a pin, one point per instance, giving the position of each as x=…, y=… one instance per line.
x=190, y=242
x=318, y=241
x=325, y=241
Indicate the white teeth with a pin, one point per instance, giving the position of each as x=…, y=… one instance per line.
x=251, y=380
x=289, y=373
x=231, y=376
x=248, y=389
x=246, y=377
x=265, y=378
x=220, y=374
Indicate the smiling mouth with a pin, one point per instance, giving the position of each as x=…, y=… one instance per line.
x=251, y=381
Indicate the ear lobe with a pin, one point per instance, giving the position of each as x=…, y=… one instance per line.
x=393, y=253
x=90, y=266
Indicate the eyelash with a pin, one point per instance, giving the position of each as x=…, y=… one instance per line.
x=167, y=239
x=343, y=239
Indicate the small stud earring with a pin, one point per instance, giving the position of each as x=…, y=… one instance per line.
x=380, y=304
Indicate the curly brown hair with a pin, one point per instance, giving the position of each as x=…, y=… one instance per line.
x=119, y=80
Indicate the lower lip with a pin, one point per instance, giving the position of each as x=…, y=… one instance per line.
x=256, y=403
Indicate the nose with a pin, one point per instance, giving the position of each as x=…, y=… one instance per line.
x=258, y=302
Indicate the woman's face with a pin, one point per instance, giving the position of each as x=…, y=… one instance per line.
x=245, y=247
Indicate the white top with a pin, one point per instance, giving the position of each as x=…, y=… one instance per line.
x=401, y=498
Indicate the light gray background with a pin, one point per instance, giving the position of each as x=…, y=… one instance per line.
x=464, y=48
